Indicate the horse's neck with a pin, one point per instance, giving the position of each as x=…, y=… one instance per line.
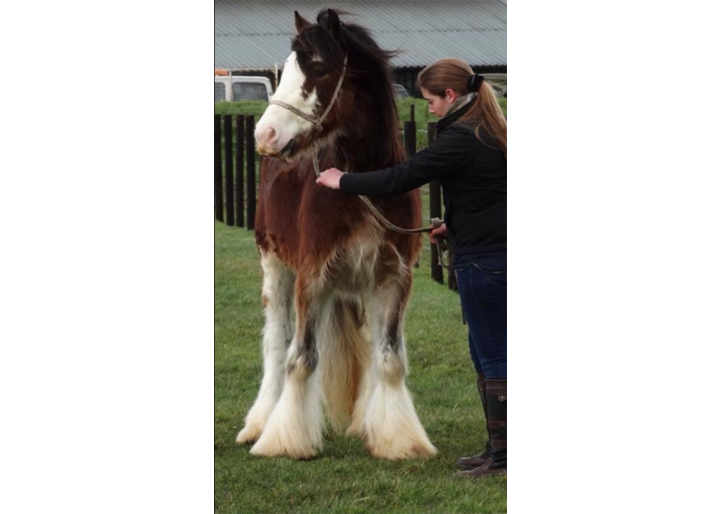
x=370, y=151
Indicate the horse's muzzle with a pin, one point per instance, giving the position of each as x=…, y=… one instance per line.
x=269, y=150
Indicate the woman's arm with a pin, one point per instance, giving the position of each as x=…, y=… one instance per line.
x=445, y=156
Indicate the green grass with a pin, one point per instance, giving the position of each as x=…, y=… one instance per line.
x=345, y=478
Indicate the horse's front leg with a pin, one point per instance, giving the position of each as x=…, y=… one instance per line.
x=390, y=423
x=278, y=283
x=296, y=425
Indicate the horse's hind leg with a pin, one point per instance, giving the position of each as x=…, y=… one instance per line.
x=391, y=425
x=278, y=282
x=296, y=424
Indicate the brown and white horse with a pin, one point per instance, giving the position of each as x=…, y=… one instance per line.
x=325, y=255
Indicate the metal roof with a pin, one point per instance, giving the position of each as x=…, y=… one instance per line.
x=257, y=34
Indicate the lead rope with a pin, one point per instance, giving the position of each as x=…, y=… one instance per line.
x=436, y=222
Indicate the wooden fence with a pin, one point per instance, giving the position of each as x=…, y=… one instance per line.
x=237, y=171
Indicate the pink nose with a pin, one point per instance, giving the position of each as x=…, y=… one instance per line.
x=266, y=135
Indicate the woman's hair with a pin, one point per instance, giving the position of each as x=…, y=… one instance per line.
x=454, y=74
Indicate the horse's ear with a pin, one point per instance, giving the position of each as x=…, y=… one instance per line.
x=300, y=23
x=333, y=25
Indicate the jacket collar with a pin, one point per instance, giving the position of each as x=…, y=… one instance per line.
x=456, y=111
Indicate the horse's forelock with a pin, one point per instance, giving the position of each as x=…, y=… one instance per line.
x=316, y=40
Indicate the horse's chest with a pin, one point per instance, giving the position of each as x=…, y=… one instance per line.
x=280, y=205
x=353, y=268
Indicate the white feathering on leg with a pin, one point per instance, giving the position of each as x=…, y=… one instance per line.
x=277, y=291
x=296, y=424
x=391, y=425
x=393, y=429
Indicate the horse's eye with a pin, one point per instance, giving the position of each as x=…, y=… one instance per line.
x=318, y=70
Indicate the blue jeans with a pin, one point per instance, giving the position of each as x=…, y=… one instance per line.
x=482, y=284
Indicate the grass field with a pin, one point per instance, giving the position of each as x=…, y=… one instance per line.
x=344, y=478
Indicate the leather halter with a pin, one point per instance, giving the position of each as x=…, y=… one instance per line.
x=316, y=121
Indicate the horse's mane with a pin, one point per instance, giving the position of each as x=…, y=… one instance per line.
x=371, y=74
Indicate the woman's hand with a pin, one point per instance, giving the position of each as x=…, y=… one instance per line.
x=441, y=231
x=330, y=178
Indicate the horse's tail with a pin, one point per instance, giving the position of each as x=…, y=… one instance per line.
x=346, y=358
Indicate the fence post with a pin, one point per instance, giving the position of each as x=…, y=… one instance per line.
x=436, y=271
x=410, y=131
x=410, y=139
x=218, y=171
x=239, y=176
x=250, y=155
x=229, y=189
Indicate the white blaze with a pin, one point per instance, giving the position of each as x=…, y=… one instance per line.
x=286, y=124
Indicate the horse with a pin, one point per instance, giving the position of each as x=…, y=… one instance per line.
x=325, y=255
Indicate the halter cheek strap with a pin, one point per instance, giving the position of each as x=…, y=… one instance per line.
x=317, y=122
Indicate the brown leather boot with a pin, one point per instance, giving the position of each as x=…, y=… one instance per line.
x=477, y=460
x=496, y=409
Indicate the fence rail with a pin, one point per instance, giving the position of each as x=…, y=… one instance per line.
x=237, y=171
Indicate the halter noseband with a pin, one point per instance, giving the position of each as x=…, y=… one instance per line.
x=316, y=121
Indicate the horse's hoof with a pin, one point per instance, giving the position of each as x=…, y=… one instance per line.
x=274, y=450
x=394, y=452
x=248, y=435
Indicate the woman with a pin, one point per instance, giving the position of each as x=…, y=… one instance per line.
x=469, y=157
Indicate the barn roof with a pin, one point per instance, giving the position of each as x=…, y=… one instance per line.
x=256, y=34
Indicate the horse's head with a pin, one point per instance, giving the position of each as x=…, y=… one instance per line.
x=304, y=110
